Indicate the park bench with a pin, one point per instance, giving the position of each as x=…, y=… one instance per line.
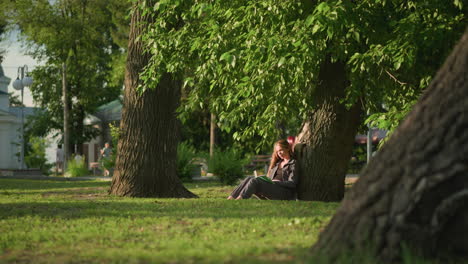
x=259, y=161
x=95, y=167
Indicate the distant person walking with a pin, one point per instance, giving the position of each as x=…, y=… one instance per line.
x=59, y=159
x=106, y=153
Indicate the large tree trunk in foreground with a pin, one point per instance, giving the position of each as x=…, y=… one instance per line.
x=415, y=191
x=325, y=144
x=146, y=161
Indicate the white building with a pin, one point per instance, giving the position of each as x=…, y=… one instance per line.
x=9, y=128
x=10, y=125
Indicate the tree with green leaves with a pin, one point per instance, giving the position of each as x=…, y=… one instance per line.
x=414, y=194
x=149, y=130
x=119, y=10
x=36, y=155
x=260, y=62
x=79, y=35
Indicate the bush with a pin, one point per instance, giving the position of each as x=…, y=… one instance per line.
x=36, y=156
x=185, y=155
x=115, y=134
x=76, y=168
x=227, y=166
x=109, y=163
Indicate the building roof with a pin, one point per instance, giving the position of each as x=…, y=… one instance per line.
x=91, y=120
x=111, y=111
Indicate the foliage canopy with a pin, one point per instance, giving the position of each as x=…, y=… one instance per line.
x=256, y=63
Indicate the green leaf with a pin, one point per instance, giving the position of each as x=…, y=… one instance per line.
x=323, y=7
x=356, y=36
x=297, y=43
x=212, y=85
x=315, y=28
x=397, y=65
x=330, y=33
x=310, y=19
x=195, y=45
x=233, y=61
x=363, y=67
x=157, y=6
x=224, y=56
x=227, y=57
x=281, y=61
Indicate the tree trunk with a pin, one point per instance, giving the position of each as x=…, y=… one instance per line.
x=325, y=144
x=66, y=118
x=78, y=129
x=146, y=160
x=414, y=192
x=212, y=134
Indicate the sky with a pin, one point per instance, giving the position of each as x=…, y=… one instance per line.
x=14, y=58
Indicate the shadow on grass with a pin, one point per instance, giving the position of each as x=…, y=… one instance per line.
x=179, y=208
x=90, y=199
x=42, y=185
x=48, y=188
x=16, y=184
x=301, y=254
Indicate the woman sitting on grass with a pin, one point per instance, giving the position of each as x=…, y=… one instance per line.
x=282, y=173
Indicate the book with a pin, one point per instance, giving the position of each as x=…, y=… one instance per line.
x=265, y=178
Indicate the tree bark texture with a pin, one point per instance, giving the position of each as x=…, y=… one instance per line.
x=325, y=143
x=414, y=192
x=147, y=150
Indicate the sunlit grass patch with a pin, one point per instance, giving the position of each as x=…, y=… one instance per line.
x=46, y=221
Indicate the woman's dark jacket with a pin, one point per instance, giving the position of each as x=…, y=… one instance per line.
x=290, y=179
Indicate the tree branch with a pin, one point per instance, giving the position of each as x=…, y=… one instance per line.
x=394, y=78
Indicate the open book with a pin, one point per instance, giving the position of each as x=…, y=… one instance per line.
x=265, y=178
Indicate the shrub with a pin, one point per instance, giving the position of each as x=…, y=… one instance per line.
x=109, y=163
x=227, y=166
x=76, y=168
x=115, y=135
x=185, y=155
x=36, y=156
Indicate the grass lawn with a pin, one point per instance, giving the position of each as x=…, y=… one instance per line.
x=77, y=222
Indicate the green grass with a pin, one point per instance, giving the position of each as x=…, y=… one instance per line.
x=77, y=222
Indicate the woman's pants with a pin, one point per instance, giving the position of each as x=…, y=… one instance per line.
x=262, y=189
